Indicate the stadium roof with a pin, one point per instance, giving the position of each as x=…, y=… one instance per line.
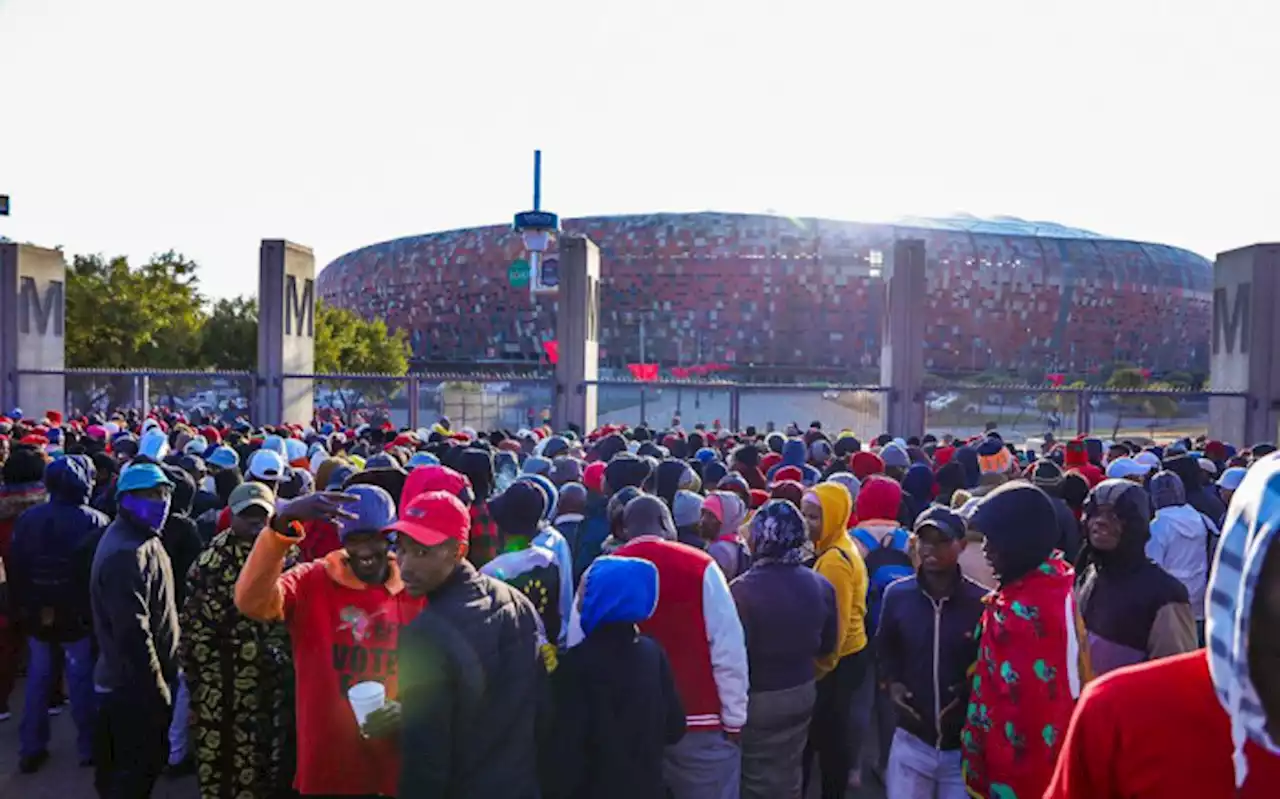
x=999, y=225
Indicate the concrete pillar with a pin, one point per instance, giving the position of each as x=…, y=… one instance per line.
x=32, y=328
x=1244, y=355
x=902, y=353
x=286, y=333
x=578, y=331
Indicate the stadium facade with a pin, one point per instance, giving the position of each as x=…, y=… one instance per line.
x=800, y=294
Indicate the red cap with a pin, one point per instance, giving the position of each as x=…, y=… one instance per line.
x=433, y=518
x=758, y=497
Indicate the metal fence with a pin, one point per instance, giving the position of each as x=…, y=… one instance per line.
x=489, y=400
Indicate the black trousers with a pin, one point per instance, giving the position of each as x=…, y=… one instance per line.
x=131, y=747
x=829, y=730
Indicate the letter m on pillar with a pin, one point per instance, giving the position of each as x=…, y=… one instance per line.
x=299, y=311
x=1231, y=320
x=45, y=309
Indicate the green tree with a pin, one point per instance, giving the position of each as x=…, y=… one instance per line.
x=229, y=339
x=125, y=318
x=348, y=344
x=121, y=317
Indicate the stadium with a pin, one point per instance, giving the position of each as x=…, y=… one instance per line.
x=798, y=295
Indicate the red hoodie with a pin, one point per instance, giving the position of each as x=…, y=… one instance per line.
x=1157, y=731
x=343, y=632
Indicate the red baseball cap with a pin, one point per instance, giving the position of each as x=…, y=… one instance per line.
x=433, y=518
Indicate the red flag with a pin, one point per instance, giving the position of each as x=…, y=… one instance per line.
x=698, y=370
x=1146, y=373
x=680, y=373
x=650, y=372
x=553, y=351
x=643, y=372
x=1056, y=379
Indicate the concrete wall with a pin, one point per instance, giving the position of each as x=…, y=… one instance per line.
x=1245, y=345
x=32, y=328
x=578, y=331
x=286, y=332
x=902, y=356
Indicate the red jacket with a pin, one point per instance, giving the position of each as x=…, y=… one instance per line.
x=697, y=623
x=1157, y=731
x=343, y=632
x=1032, y=664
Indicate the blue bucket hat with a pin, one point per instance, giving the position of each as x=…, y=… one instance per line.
x=140, y=477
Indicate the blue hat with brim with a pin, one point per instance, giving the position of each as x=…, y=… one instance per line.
x=374, y=511
x=141, y=477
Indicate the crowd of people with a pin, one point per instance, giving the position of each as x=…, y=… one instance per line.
x=357, y=610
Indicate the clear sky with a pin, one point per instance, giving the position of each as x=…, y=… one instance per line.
x=135, y=126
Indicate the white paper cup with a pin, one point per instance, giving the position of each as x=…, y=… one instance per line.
x=366, y=697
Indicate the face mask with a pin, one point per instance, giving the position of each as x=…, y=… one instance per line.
x=207, y=485
x=150, y=513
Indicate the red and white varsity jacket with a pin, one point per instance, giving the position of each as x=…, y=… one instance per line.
x=697, y=624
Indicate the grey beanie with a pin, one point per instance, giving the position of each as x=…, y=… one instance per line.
x=687, y=508
x=894, y=456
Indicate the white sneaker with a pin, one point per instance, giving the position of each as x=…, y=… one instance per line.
x=5, y=715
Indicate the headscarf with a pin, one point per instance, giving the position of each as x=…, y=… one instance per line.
x=778, y=533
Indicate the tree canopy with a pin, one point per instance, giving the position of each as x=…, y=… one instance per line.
x=154, y=317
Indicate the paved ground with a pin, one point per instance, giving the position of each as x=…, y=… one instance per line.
x=61, y=778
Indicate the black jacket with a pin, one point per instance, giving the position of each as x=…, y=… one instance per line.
x=473, y=687
x=928, y=646
x=1068, y=529
x=134, y=617
x=51, y=556
x=615, y=708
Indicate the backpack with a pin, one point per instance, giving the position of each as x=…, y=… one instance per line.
x=887, y=561
x=1212, y=535
x=744, y=557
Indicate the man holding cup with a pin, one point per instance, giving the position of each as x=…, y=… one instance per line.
x=344, y=614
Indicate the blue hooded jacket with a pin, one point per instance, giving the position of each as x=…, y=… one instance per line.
x=52, y=554
x=617, y=589
x=795, y=453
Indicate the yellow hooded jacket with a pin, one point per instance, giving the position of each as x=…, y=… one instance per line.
x=842, y=565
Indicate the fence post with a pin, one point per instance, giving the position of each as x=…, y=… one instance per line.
x=146, y=396
x=413, y=391
x=735, y=409
x=1084, y=412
